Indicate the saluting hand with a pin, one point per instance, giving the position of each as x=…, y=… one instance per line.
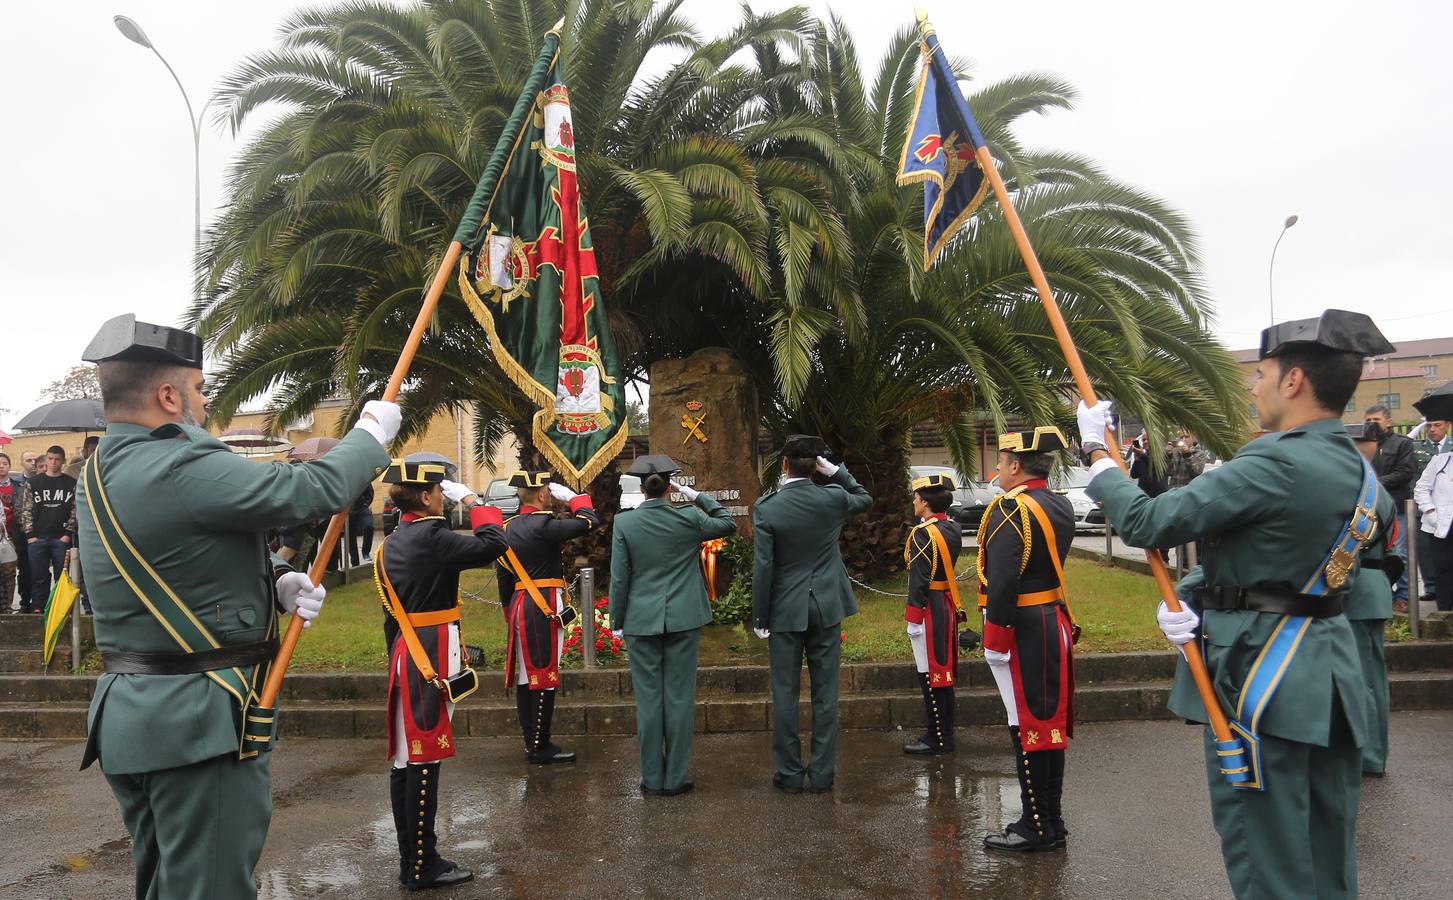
x=561, y=492
x=683, y=490
x=826, y=467
x=456, y=492
x=297, y=594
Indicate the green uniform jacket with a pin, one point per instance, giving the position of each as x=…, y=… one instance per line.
x=196, y=512
x=656, y=584
x=1268, y=518
x=797, y=557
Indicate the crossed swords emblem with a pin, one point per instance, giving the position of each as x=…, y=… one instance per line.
x=693, y=428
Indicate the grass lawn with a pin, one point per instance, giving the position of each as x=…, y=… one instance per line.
x=1114, y=607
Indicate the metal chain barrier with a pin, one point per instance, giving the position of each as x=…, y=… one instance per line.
x=473, y=595
x=868, y=587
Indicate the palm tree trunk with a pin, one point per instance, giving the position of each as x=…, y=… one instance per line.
x=872, y=544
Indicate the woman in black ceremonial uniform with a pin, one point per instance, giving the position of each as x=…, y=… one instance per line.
x=532, y=592
x=417, y=569
x=933, y=609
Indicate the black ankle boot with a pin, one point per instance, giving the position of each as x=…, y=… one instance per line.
x=926, y=744
x=397, y=787
x=943, y=702
x=1032, y=831
x=1054, y=794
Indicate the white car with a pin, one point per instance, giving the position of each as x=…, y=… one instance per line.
x=631, y=495
x=1072, y=481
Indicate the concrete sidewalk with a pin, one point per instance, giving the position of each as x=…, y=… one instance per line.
x=894, y=825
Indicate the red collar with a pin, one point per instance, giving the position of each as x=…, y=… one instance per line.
x=415, y=517
x=1034, y=483
x=936, y=516
x=526, y=509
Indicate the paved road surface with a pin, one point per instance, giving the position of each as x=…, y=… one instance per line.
x=895, y=826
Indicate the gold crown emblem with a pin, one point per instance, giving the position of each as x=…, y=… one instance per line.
x=694, y=405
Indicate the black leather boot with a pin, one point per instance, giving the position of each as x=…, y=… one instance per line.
x=525, y=707
x=1031, y=832
x=397, y=786
x=943, y=701
x=927, y=744
x=421, y=800
x=1054, y=794
x=544, y=753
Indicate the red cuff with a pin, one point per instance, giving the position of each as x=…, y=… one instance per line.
x=913, y=614
x=579, y=502
x=484, y=514
x=999, y=638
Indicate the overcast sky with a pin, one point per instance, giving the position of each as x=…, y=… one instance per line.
x=1239, y=113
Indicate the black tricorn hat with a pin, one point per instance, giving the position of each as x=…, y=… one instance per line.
x=1437, y=404
x=805, y=446
x=530, y=478
x=419, y=474
x=1044, y=439
x=1334, y=329
x=124, y=338
x=653, y=464
x=935, y=480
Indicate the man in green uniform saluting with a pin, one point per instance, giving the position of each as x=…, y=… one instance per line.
x=800, y=596
x=658, y=602
x=1284, y=522
x=186, y=601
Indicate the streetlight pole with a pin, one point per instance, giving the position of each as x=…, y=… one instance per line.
x=132, y=32
x=1271, y=267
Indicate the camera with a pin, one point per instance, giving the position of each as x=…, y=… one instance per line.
x=1372, y=431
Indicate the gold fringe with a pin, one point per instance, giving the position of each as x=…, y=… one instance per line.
x=541, y=396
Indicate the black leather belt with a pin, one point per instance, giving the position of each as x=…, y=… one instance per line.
x=1373, y=564
x=126, y=662
x=1285, y=603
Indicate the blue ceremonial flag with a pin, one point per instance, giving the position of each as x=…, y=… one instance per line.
x=939, y=151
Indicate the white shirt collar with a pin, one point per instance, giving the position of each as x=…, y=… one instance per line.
x=787, y=481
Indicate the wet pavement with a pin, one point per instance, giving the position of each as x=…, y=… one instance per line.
x=894, y=825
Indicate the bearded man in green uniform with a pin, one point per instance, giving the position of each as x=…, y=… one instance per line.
x=800, y=596
x=186, y=603
x=1284, y=523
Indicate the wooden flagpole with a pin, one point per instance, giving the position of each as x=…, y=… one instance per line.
x=273, y=686
x=1191, y=651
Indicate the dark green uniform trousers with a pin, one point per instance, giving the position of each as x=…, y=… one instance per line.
x=663, y=676
x=1296, y=839
x=822, y=645
x=1369, y=634
x=197, y=831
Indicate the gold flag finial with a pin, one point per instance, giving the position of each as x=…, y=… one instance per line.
x=558, y=26
x=923, y=27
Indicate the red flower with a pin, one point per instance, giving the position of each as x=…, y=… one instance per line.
x=600, y=643
x=843, y=639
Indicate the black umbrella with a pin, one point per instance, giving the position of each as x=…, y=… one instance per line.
x=65, y=415
x=427, y=456
x=1438, y=404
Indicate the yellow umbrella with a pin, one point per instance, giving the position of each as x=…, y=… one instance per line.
x=62, y=598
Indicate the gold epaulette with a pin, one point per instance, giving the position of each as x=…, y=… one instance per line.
x=910, y=553
x=1026, y=535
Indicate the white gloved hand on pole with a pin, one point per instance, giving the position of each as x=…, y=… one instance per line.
x=827, y=468
x=1179, y=627
x=1092, y=421
x=381, y=419
x=456, y=492
x=687, y=492
x=297, y=594
x=561, y=492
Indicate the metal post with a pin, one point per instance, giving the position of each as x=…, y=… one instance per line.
x=344, y=552
x=1191, y=559
x=587, y=615
x=1414, y=591
x=76, y=635
x=1109, y=543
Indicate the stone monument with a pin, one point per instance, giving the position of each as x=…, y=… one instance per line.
x=703, y=413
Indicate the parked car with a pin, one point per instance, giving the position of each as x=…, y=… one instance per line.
x=390, y=516
x=970, y=499
x=500, y=494
x=631, y=495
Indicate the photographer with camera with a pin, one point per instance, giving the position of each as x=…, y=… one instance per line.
x=1396, y=466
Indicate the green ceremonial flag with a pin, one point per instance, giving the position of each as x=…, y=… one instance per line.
x=528, y=274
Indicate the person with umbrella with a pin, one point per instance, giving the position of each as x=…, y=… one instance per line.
x=1434, y=496
x=187, y=603
x=658, y=603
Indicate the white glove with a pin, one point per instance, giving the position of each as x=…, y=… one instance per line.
x=455, y=491
x=995, y=658
x=384, y=426
x=827, y=468
x=762, y=633
x=915, y=629
x=1179, y=627
x=618, y=634
x=297, y=595
x=561, y=492
x=1092, y=421
x=688, y=493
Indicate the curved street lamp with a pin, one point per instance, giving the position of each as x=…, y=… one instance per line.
x=133, y=32
x=1270, y=298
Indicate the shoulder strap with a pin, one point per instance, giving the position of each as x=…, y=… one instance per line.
x=391, y=604
x=1336, y=567
x=517, y=568
x=941, y=543
x=1047, y=527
